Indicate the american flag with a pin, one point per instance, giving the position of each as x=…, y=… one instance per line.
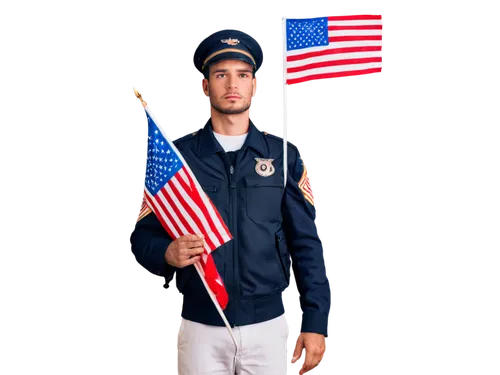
x=305, y=186
x=175, y=196
x=329, y=47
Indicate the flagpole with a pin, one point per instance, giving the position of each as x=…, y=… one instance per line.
x=285, y=148
x=214, y=300
x=197, y=266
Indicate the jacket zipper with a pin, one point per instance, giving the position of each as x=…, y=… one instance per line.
x=234, y=213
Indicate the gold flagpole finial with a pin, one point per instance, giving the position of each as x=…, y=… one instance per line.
x=139, y=96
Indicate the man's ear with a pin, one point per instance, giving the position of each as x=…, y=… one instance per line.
x=256, y=86
x=206, y=90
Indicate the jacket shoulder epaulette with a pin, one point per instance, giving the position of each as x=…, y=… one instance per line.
x=275, y=138
x=185, y=138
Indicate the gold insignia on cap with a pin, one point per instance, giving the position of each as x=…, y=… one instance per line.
x=231, y=42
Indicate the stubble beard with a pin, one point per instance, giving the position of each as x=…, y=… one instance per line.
x=231, y=111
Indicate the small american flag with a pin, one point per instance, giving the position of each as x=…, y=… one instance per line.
x=329, y=47
x=177, y=199
x=305, y=186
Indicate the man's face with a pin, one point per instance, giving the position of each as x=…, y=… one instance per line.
x=230, y=87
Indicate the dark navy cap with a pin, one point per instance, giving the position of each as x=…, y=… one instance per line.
x=228, y=45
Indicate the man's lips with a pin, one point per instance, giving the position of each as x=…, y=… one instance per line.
x=232, y=96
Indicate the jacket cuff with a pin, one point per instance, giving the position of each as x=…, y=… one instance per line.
x=314, y=321
x=158, y=264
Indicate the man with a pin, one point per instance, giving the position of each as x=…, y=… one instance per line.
x=241, y=170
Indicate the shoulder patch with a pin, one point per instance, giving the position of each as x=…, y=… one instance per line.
x=305, y=186
x=145, y=210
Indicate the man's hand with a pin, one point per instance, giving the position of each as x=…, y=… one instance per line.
x=314, y=343
x=185, y=250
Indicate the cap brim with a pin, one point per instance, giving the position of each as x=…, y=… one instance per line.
x=229, y=56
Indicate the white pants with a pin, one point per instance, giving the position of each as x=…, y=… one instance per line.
x=204, y=349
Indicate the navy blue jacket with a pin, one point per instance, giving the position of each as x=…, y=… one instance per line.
x=270, y=224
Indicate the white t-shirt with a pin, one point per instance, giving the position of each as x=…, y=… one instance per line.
x=230, y=142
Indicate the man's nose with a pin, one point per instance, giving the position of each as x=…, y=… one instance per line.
x=231, y=83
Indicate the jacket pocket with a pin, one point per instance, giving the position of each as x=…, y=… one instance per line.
x=263, y=198
x=283, y=255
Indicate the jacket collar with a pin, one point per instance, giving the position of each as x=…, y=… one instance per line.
x=208, y=145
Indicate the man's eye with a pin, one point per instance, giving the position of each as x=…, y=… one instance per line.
x=220, y=75
x=243, y=75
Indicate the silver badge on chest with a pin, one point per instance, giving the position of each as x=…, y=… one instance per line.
x=264, y=167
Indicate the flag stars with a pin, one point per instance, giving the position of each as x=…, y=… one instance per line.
x=307, y=33
x=161, y=161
